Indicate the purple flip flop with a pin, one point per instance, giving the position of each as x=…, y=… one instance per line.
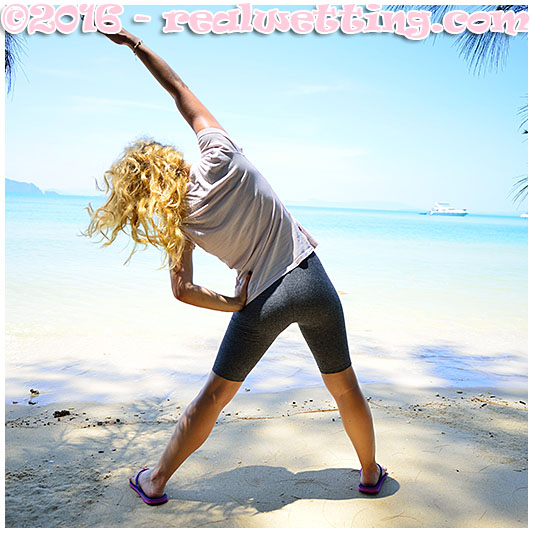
x=146, y=499
x=374, y=489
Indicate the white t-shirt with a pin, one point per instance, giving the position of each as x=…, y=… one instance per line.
x=235, y=215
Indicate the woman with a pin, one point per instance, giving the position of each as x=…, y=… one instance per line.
x=225, y=206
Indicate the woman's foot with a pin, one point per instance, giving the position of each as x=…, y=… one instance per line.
x=147, y=485
x=370, y=475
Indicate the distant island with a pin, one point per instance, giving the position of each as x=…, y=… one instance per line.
x=24, y=187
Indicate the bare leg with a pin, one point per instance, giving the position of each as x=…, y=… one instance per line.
x=356, y=419
x=191, y=431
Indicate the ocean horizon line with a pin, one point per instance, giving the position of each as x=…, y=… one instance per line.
x=54, y=195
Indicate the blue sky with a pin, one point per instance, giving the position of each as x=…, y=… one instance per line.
x=328, y=119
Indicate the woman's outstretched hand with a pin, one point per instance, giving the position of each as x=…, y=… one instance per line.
x=241, y=293
x=123, y=37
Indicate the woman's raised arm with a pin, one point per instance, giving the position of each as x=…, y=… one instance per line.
x=192, y=110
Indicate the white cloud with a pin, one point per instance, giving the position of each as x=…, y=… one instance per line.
x=304, y=89
x=288, y=150
x=115, y=102
x=61, y=73
x=297, y=168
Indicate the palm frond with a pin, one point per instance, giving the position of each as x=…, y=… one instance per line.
x=14, y=47
x=483, y=52
x=520, y=190
x=523, y=112
x=486, y=51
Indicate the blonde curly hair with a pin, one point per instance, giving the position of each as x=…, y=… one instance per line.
x=147, y=188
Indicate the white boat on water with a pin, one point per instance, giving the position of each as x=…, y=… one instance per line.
x=523, y=215
x=442, y=208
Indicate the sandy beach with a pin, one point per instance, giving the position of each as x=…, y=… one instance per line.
x=456, y=458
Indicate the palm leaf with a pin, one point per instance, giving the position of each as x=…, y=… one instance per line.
x=14, y=47
x=489, y=50
x=522, y=112
x=484, y=51
x=520, y=190
x=521, y=186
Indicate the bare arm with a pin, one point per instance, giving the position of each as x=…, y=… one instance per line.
x=192, y=110
x=186, y=291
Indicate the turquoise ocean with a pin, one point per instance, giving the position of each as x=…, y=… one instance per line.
x=429, y=301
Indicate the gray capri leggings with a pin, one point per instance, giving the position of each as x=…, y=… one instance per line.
x=304, y=295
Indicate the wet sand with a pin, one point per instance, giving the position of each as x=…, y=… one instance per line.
x=456, y=458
